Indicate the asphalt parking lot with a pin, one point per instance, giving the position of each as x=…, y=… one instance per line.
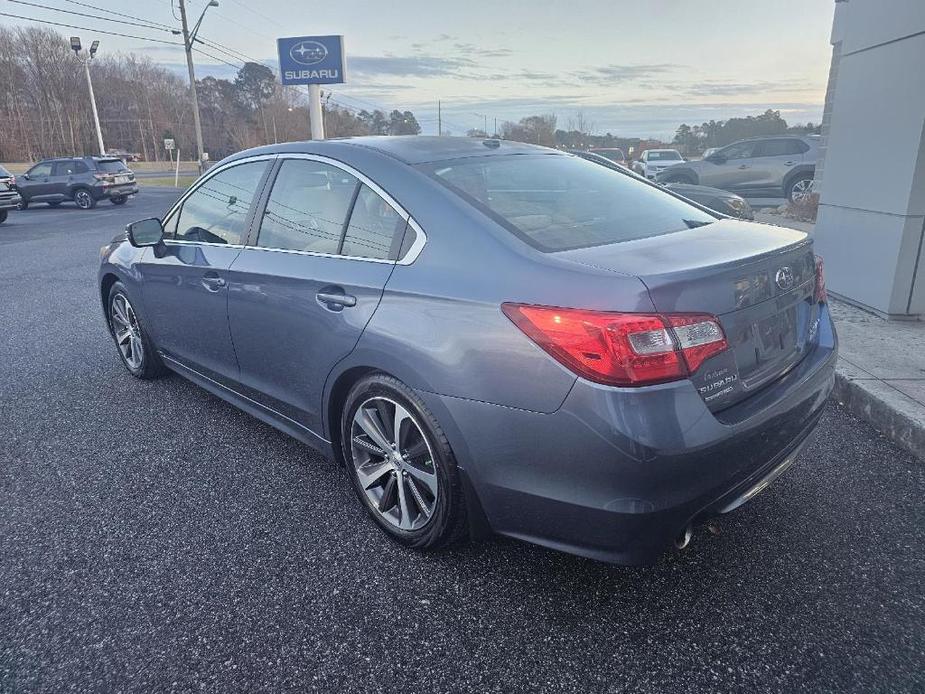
x=154, y=538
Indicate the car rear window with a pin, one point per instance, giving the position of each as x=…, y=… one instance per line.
x=111, y=166
x=558, y=203
x=664, y=156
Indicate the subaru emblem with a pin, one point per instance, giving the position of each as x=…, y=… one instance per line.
x=784, y=278
x=308, y=52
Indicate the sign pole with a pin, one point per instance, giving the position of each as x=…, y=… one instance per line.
x=314, y=111
x=176, y=176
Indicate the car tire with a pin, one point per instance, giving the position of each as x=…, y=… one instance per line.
x=800, y=187
x=54, y=204
x=84, y=199
x=136, y=351
x=23, y=204
x=412, y=491
x=3, y=216
x=118, y=200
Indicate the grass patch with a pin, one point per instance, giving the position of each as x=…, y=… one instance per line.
x=184, y=183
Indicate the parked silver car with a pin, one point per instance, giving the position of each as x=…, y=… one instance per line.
x=653, y=161
x=762, y=166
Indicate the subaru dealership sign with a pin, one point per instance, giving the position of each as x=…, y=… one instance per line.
x=311, y=60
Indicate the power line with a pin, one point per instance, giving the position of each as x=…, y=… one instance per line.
x=119, y=14
x=84, y=14
x=259, y=13
x=99, y=31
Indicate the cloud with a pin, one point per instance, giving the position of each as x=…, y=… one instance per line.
x=720, y=88
x=408, y=66
x=614, y=74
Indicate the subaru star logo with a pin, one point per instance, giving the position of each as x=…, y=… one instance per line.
x=784, y=277
x=308, y=52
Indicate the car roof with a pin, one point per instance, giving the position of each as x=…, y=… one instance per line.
x=414, y=149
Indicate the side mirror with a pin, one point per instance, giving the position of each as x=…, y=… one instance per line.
x=26, y=176
x=144, y=233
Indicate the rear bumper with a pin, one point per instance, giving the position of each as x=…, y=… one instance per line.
x=119, y=191
x=617, y=474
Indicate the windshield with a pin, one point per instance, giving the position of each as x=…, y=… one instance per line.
x=612, y=154
x=112, y=166
x=664, y=156
x=558, y=203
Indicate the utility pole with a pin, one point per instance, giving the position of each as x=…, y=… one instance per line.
x=439, y=119
x=75, y=46
x=188, y=39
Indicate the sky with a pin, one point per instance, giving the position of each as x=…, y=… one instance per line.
x=635, y=68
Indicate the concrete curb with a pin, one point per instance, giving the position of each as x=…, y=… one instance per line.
x=893, y=414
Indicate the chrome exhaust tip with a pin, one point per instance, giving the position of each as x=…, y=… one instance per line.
x=684, y=539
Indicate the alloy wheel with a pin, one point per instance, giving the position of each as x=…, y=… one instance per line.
x=83, y=199
x=126, y=330
x=801, y=190
x=394, y=463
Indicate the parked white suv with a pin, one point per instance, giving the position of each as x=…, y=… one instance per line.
x=653, y=161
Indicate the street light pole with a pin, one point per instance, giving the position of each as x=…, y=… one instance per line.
x=75, y=46
x=188, y=39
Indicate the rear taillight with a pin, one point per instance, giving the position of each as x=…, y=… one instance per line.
x=820, y=294
x=621, y=349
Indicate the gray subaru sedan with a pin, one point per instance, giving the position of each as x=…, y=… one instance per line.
x=489, y=336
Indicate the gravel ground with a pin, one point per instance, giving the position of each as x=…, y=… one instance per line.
x=154, y=538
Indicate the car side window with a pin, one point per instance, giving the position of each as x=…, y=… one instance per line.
x=780, y=148
x=308, y=207
x=375, y=229
x=65, y=168
x=216, y=211
x=80, y=167
x=40, y=170
x=740, y=150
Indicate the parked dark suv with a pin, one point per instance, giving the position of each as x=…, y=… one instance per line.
x=85, y=180
x=9, y=197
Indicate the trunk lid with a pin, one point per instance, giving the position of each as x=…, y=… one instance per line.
x=757, y=279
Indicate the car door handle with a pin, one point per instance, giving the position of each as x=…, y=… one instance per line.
x=336, y=300
x=213, y=282
x=789, y=163
x=743, y=166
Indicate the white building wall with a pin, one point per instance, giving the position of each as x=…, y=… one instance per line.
x=871, y=224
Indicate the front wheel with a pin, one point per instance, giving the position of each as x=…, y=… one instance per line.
x=800, y=189
x=3, y=214
x=401, y=464
x=118, y=200
x=84, y=199
x=23, y=204
x=135, y=348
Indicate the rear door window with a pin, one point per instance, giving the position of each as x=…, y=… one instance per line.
x=557, y=203
x=216, y=212
x=780, y=148
x=308, y=207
